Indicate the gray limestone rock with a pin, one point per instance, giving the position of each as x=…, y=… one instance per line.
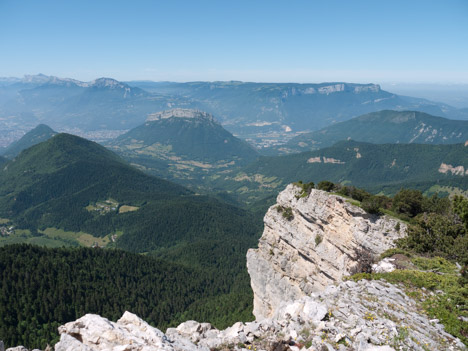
x=315, y=248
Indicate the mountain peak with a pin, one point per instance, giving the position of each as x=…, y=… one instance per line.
x=35, y=136
x=108, y=83
x=180, y=113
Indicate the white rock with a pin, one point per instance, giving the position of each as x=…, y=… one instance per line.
x=314, y=311
x=189, y=327
x=94, y=333
x=17, y=348
x=384, y=266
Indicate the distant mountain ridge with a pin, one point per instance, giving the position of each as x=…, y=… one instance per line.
x=264, y=113
x=103, y=103
x=35, y=136
x=247, y=108
x=384, y=127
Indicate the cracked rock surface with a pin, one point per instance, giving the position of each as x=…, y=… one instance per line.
x=313, y=249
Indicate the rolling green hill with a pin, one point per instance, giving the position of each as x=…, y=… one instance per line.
x=384, y=167
x=384, y=127
x=68, y=191
x=78, y=186
x=35, y=136
x=184, y=145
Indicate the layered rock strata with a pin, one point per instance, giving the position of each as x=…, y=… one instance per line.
x=310, y=242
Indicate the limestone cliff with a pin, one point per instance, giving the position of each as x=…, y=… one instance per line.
x=312, y=247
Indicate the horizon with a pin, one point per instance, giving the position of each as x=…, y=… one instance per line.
x=183, y=41
x=386, y=83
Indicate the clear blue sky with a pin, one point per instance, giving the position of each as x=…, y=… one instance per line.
x=283, y=41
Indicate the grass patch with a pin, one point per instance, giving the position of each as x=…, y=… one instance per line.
x=436, y=264
x=126, y=208
x=53, y=237
x=395, y=251
x=4, y=220
x=88, y=240
x=81, y=238
x=24, y=236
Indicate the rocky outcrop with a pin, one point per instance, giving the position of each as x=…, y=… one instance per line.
x=180, y=113
x=454, y=170
x=92, y=332
x=359, y=316
x=313, y=247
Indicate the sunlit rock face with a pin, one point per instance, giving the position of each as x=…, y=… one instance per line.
x=314, y=247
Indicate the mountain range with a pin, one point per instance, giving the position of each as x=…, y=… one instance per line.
x=253, y=108
x=383, y=127
x=264, y=113
x=69, y=191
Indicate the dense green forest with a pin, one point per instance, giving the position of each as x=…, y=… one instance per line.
x=377, y=168
x=43, y=288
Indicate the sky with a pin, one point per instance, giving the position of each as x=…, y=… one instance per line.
x=265, y=41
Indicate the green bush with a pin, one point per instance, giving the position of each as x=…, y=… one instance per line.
x=288, y=214
x=408, y=202
x=326, y=185
x=306, y=188
x=371, y=205
x=439, y=235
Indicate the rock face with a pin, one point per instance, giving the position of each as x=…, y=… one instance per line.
x=180, y=113
x=313, y=247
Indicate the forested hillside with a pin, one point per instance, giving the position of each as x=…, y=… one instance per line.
x=384, y=127
x=377, y=168
x=183, y=145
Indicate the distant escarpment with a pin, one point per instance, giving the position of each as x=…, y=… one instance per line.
x=311, y=242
